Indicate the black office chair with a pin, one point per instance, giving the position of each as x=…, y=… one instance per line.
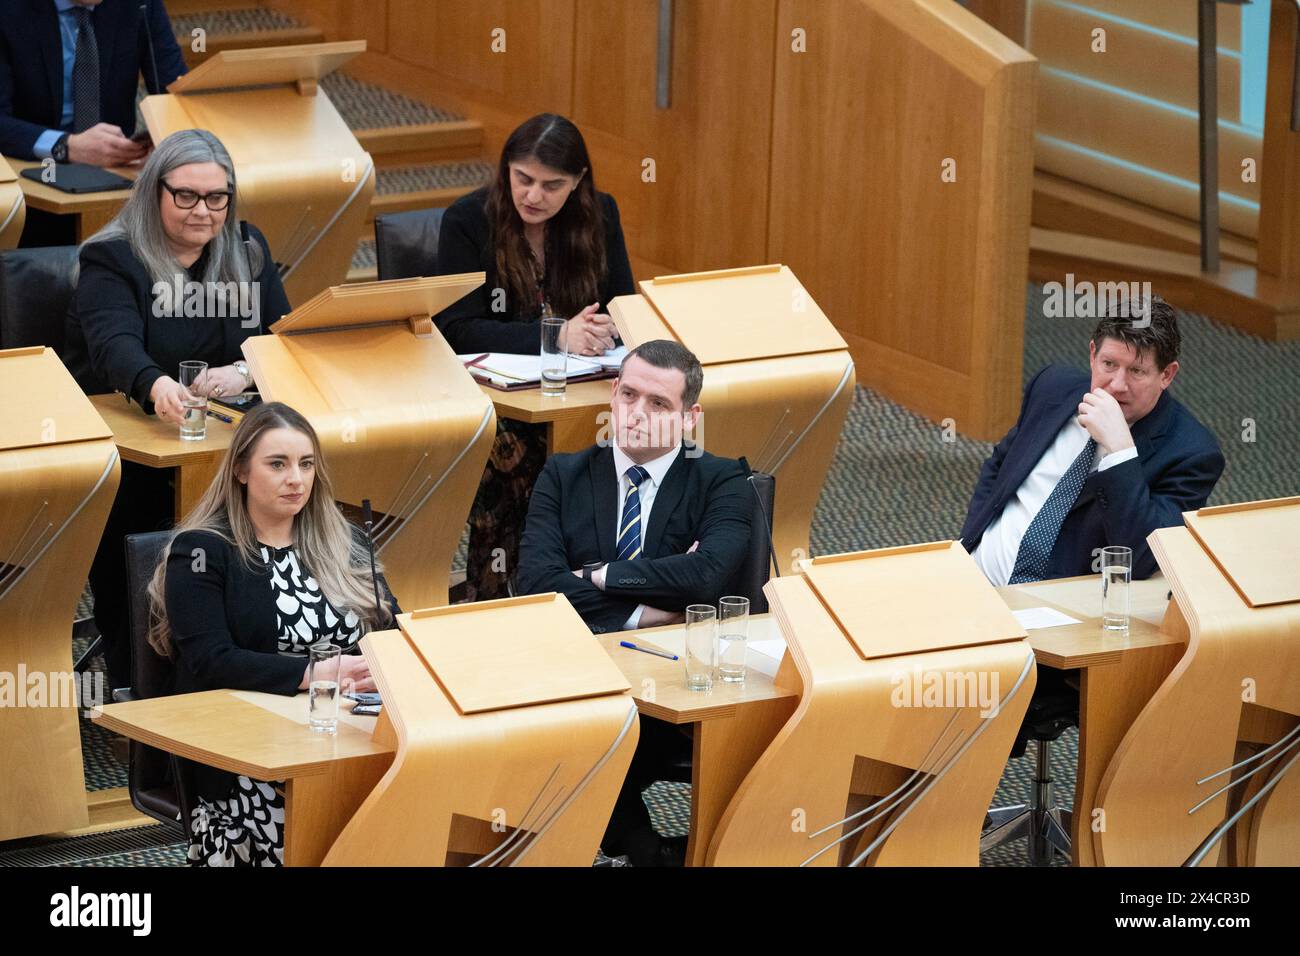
x=406, y=243
x=160, y=784
x=1052, y=710
x=760, y=559
x=36, y=287
x=754, y=572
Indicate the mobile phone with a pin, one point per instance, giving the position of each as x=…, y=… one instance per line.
x=363, y=697
x=366, y=710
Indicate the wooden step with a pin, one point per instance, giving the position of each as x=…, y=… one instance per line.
x=182, y=8
x=108, y=810
x=422, y=143
x=238, y=26
x=424, y=186
x=363, y=267
x=1062, y=205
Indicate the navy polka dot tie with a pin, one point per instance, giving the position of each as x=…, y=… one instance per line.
x=629, y=528
x=1040, y=537
x=85, y=74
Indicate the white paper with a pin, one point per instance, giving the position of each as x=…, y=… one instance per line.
x=509, y=368
x=609, y=360
x=1032, y=618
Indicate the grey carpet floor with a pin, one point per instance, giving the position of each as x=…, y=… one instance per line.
x=895, y=481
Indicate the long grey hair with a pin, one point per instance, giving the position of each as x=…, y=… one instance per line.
x=139, y=222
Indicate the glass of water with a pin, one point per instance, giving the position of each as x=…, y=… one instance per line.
x=555, y=355
x=323, y=687
x=1116, y=573
x=733, y=629
x=194, y=424
x=701, y=655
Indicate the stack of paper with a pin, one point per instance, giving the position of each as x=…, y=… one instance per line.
x=505, y=369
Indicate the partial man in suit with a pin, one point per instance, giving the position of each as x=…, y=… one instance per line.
x=1097, y=459
x=632, y=532
x=69, y=70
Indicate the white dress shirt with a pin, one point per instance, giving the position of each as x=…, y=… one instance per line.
x=657, y=468
x=998, y=548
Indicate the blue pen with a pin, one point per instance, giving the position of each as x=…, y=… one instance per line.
x=221, y=418
x=647, y=650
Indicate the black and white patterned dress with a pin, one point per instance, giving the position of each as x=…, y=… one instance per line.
x=247, y=828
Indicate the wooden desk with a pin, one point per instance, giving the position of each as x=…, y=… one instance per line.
x=265, y=737
x=148, y=440
x=733, y=724
x=92, y=211
x=571, y=422
x=1118, y=674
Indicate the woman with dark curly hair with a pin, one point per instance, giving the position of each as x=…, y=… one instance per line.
x=546, y=240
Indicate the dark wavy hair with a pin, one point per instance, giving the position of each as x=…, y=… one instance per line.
x=575, y=236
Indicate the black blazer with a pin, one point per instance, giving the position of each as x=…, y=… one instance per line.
x=114, y=342
x=1177, y=466
x=31, y=66
x=222, y=618
x=465, y=245
x=571, y=521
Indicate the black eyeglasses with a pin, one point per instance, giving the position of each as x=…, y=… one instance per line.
x=188, y=198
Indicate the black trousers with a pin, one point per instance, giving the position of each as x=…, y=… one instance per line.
x=145, y=502
x=663, y=752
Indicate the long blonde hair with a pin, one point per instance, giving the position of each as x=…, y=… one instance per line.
x=323, y=538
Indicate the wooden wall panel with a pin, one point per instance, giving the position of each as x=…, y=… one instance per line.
x=925, y=278
x=707, y=205
x=454, y=40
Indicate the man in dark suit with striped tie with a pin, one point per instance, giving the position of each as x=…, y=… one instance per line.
x=635, y=529
x=632, y=531
x=1097, y=459
x=69, y=70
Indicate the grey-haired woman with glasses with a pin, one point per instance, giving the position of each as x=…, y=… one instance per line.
x=175, y=276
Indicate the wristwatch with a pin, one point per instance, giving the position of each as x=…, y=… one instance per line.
x=59, y=151
x=589, y=568
x=241, y=367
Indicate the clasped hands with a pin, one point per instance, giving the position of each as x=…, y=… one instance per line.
x=169, y=396
x=1103, y=417
x=590, y=332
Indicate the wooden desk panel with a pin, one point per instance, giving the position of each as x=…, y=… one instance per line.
x=148, y=440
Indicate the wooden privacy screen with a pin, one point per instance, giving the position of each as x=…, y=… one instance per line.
x=13, y=208
x=808, y=132
x=925, y=278
x=58, y=476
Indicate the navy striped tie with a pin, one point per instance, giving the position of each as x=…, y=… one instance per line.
x=629, y=526
x=1040, y=537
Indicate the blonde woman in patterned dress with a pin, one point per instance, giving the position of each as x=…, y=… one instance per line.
x=265, y=566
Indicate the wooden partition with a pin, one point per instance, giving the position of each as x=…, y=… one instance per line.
x=13, y=209
x=924, y=277
x=810, y=132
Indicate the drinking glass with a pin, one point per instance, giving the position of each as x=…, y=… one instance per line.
x=733, y=630
x=701, y=645
x=555, y=356
x=1116, y=573
x=194, y=423
x=323, y=687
